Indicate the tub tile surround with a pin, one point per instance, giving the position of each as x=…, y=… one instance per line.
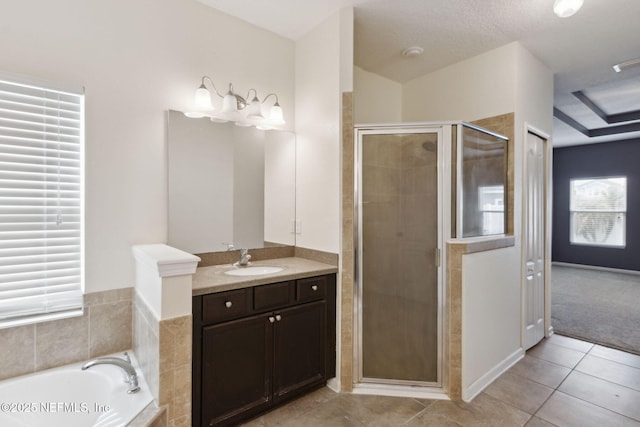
x=104, y=328
x=162, y=333
x=165, y=359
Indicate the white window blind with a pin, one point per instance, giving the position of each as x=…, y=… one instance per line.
x=41, y=138
x=598, y=209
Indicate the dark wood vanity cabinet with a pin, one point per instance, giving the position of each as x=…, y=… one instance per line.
x=257, y=347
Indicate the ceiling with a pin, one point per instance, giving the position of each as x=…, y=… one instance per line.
x=592, y=102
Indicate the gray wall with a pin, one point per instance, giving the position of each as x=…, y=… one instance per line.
x=620, y=158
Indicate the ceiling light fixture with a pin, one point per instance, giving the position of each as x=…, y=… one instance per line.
x=235, y=108
x=627, y=64
x=566, y=8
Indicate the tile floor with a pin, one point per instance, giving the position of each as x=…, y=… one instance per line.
x=560, y=382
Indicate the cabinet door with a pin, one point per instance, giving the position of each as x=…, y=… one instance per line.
x=299, y=349
x=237, y=360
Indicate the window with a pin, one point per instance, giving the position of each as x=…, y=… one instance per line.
x=598, y=209
x=491, y=204
x=482, y=179
x=41, y=138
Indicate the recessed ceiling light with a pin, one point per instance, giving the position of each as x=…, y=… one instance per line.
x=627, y=64
x=412, y=51
x=566, y=8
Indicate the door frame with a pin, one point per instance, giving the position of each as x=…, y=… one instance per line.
x=362, y=385
x=547, y=198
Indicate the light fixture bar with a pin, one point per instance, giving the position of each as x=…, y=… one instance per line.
x=627, y=64
x=242, y=111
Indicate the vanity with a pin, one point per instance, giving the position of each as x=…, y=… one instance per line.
x=260, y=340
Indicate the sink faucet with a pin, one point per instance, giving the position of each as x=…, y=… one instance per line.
x=244, y=258
x=125, y=364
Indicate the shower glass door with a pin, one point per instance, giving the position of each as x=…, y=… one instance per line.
x=398, y=241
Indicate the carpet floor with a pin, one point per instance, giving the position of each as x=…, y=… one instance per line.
x=597, y=306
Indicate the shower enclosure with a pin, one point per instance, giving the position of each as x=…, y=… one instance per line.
x=405, y=204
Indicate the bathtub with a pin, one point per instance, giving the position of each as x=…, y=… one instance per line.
x=69, y=397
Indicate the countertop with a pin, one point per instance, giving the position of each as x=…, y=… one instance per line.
x=212, y=279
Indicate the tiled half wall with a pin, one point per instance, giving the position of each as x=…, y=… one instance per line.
x=104, y=328
x=164, y=351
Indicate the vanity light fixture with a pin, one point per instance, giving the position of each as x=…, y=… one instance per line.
x=235, y=108
x=566, y=8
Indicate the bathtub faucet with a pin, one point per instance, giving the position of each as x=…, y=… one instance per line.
x=125, y=364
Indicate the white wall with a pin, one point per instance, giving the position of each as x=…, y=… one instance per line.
x=279, y=187
x=321, y=76
x=136, y=59
x=491, y=314
x=376, y=99
x=479, y=87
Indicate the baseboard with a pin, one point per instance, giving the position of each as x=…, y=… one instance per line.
x=595, y=267
x=469, y=393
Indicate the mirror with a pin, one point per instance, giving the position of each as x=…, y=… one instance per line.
x=229, y=185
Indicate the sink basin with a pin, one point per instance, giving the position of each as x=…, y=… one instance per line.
x=253, y=270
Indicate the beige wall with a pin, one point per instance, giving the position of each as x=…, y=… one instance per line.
x=377, y=100
x=136, y=59
x=479, y=87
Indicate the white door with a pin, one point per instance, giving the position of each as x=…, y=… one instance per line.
x=534, y=235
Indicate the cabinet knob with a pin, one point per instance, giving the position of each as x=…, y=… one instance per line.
x=314, y=287
x=228, y=304
x=272, y=319
x=278, y=317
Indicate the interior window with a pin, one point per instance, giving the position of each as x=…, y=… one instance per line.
x=483, y=171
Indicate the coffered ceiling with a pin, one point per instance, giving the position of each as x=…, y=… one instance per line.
x=593, y=103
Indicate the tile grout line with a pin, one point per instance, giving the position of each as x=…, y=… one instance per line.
x=555, y=389
x=423, y=410
x=573, y=369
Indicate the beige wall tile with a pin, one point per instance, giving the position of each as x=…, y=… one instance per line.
x=110, y=328
x=182, y=391
x=345, y=298
x=60, y=342
x=17, y=351
x=104, y=328
x=146, y=347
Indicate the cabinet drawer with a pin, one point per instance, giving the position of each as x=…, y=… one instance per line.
x=311, y=289
x=273, y=296
x=228, y=305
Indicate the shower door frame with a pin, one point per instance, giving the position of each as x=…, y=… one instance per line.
x=364, y=385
